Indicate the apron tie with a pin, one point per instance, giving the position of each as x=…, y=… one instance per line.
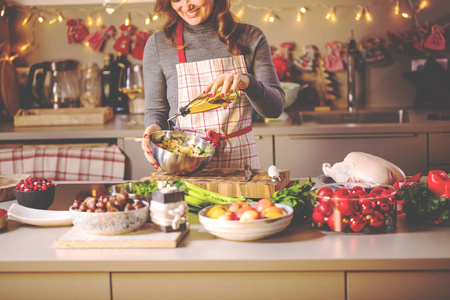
x=215, y=137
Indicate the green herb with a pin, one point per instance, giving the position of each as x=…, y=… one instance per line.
x=299, y=198
x=421, y=205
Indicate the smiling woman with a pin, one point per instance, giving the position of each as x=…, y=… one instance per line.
x=203, y=49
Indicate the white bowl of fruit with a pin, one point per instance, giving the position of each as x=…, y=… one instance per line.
x=242, y=221
x=355, y=207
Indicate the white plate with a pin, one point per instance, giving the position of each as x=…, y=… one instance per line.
x=39, y=217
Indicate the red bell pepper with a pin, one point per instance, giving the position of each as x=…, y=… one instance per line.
x=439, y=183
x=411, y=181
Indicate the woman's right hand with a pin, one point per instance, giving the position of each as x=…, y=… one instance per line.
x=146, y=145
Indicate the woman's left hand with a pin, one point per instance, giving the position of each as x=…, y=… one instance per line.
x=229, y=83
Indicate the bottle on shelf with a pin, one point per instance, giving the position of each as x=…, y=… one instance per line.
x=108, y=92
x=121, y=100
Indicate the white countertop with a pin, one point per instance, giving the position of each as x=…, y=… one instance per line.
x=26, y=248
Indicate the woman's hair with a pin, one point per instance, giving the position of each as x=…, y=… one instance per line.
x=226, y=22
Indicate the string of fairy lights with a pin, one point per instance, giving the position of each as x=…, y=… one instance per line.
x=408, y=9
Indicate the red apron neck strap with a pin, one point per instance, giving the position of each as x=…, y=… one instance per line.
x=180, y=43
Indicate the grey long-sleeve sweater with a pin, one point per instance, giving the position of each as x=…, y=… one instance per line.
x=202, y=43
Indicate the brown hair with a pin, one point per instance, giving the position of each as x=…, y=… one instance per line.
x=226, y=22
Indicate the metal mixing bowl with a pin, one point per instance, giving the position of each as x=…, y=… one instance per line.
x=176, y=163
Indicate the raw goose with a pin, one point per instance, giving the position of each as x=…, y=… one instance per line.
x=364, y=167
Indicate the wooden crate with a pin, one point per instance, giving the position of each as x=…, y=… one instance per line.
x=63, y=116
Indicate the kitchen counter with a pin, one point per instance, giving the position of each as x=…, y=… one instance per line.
x=132, y=125
x=298, y=250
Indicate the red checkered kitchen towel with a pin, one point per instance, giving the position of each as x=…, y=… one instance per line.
x=65, y=163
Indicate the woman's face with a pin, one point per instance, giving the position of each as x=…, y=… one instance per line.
x=194, y=12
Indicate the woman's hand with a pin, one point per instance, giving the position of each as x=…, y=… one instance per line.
x=229, y=83
x=146, y=145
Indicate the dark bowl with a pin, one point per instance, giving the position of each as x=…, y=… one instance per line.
x=38, y=199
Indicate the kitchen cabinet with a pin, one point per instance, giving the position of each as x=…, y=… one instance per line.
x=398, y=285
x=229, y=285
x=136, y=165
x=54, y=286
x=305, y=154
x=264, y=146
x=438, y=155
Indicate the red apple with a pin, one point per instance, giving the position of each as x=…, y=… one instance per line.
x=368, y=208
x=234, y=207
x=383, y=204
x=347, y=205
x=376, y=191
x=250, y=215
x=357, y=189
x=318, y=218
x=262, y=204
x=325, y=194
x=357, y=223
x=241, y=210
x=228, y=216
x=325, y=208
x=377, y=219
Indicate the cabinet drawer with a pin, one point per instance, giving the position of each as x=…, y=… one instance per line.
x=438, y=145
x=230, y=285
x=398, y=285
x=55, y=286
x=305, y=154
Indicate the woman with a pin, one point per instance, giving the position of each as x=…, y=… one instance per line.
x=200, y=49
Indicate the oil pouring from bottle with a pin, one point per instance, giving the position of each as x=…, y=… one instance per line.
x=205, y=103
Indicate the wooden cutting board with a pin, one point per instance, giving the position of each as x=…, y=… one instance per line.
x=148, y=236
x=8, y=185
x=230, y=182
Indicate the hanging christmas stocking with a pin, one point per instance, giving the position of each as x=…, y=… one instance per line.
x=375, y=54
x=307, y=60
x=436, y=40
x=138, y=44
x=333, y=60
x=123, y=43
x=76, y=31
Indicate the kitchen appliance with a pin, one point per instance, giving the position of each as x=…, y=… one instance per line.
x=54, y=84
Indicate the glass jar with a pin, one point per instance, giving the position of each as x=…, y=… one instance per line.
x=91, y=86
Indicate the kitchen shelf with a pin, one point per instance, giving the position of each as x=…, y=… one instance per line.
x=74, y=2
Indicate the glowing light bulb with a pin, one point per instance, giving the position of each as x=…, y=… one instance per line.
x=331, y=15
x=240, y=12
x=155, y=17
x=266, y=17
x=397, y=8
x=423, y=4
x=60, y=17
x=148, y=19
x=89, y=21
x=299, y=16
x=368, y=16
x=127, y=20
x=406, y=16
x=53, y=21
x=2, y=12
x=40, y=19
x=99, y=20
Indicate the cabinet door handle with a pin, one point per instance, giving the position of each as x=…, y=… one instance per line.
x=352, y=136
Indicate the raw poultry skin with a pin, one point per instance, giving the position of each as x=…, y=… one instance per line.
x=364, y=167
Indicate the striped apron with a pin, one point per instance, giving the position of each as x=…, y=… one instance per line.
x=229, y=129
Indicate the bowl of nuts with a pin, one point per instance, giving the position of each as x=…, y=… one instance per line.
x=109, y=214
x=35, y=192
